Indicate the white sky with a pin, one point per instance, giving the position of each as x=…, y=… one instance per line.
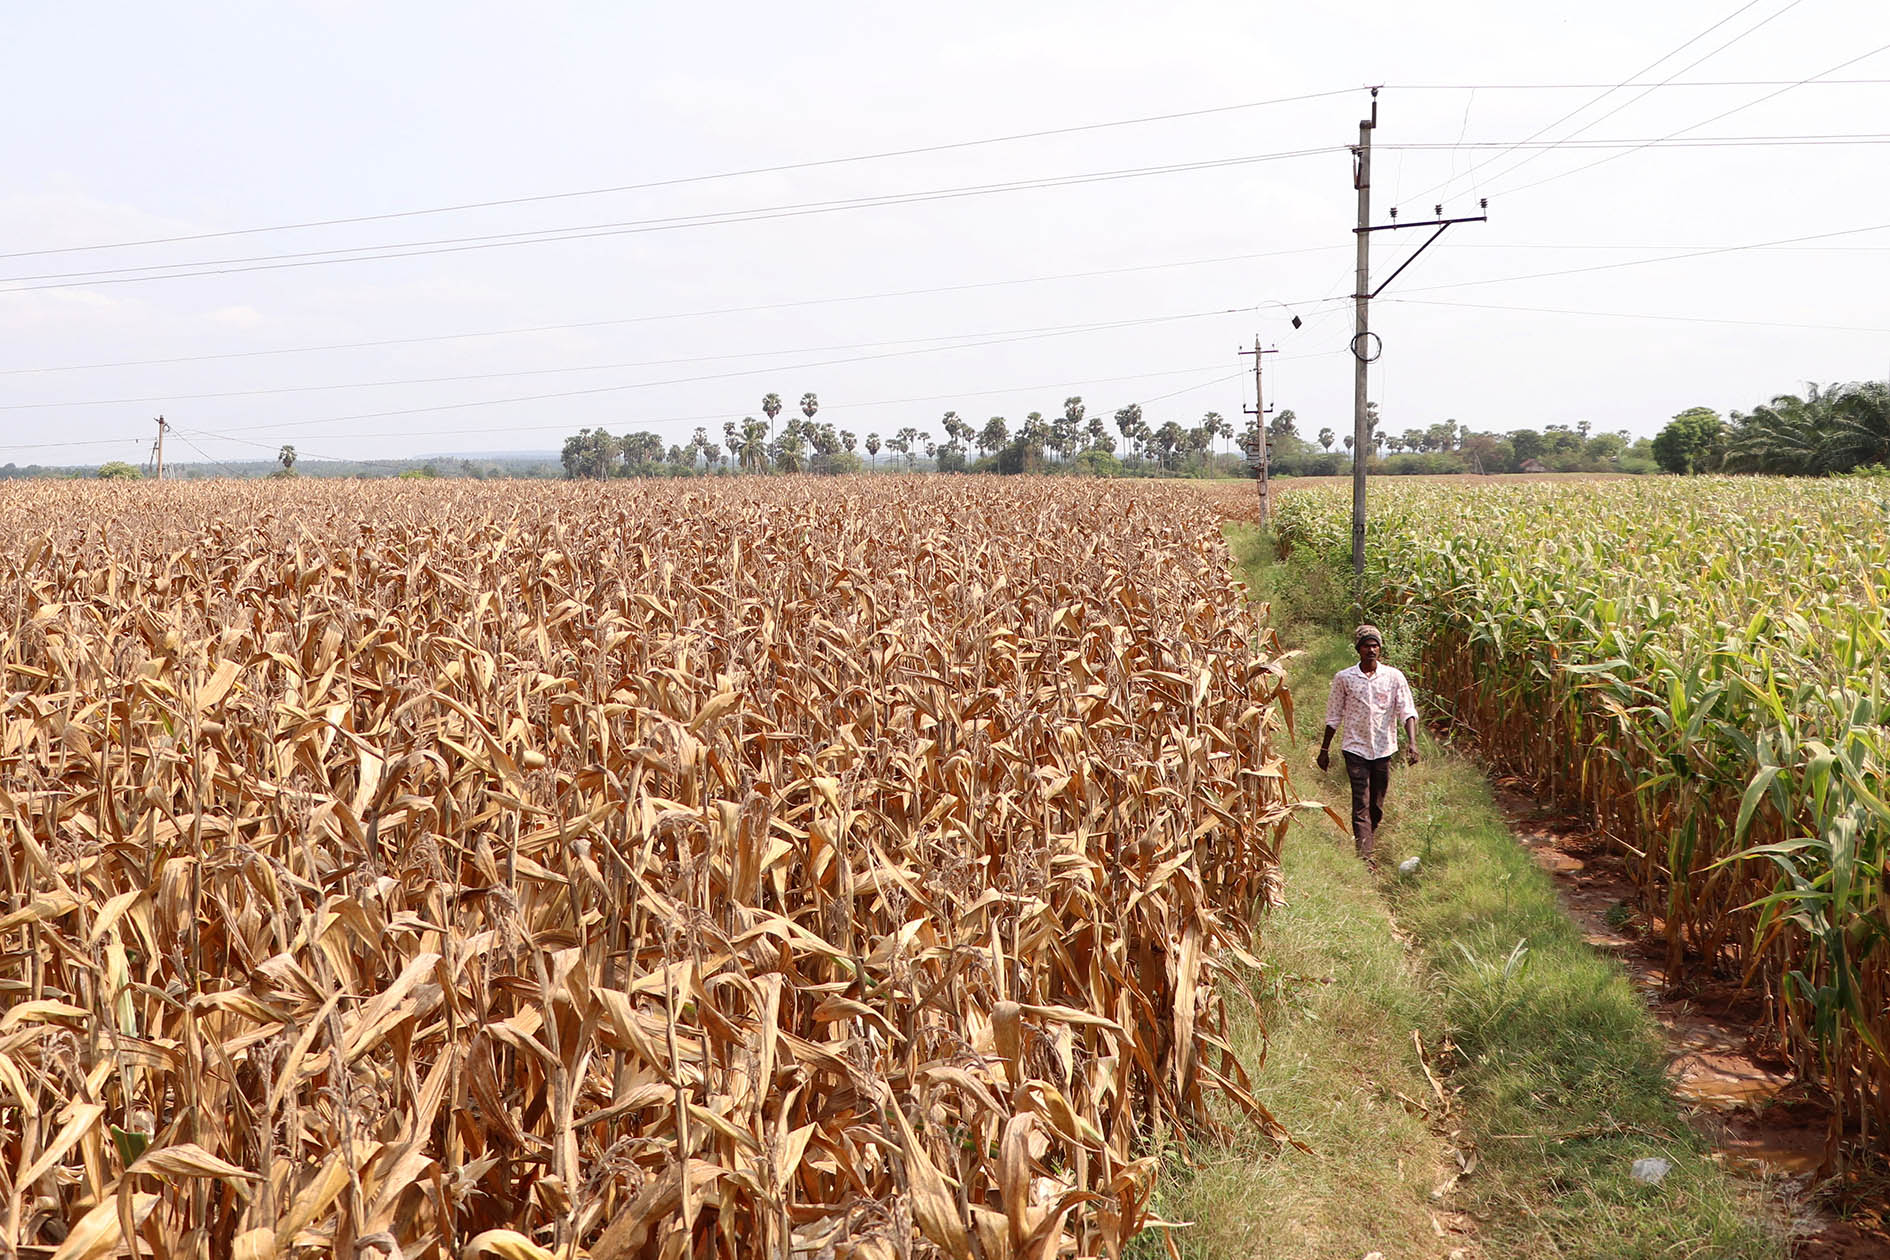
x=135, y=121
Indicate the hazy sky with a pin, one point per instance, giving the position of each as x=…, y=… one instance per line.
x=129, y=123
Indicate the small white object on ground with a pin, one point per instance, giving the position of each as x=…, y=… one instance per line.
x=1650, y=1171
x=1409, y=866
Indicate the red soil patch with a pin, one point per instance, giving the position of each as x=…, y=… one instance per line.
x=1741, y=1094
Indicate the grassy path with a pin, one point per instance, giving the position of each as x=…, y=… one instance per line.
x=1550, y=1066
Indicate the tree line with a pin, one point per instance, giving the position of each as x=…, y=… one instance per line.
x=1448, y=447
x=1827, y=431
x=1073, y=441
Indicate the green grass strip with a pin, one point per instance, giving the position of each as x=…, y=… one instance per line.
x=1554, y=1063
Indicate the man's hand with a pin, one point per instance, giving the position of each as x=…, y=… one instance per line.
x=1324, y=759
x=1410, y=753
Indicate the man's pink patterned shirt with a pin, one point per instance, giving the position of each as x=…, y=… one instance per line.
x=1369, y=708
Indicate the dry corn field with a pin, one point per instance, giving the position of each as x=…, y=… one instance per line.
x=769, y=868
x=1698, y=666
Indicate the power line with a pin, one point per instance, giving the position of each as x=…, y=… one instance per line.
x=1595, y=122
x=687, y=179
x=492, y=402
x=617, y=389
x=968, y=340
x=1615, y=87
x=1586, y=105
x=1670, y=142
x=1642, y=262
x=454, y=245
x=1678, y=319
x=644, y=319
x=1705, y=121
x=1218, y=368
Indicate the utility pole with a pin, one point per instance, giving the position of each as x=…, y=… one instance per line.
x=160, y=447
x=1259, y=412
x=1365, y=344
x=1361, y=312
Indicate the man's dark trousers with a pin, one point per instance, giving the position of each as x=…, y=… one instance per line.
x=1370, y=776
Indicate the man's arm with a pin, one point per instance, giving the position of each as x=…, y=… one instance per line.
x=1408, y=711
x=1335, y=699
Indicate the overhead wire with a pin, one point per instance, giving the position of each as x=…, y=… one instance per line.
x=1587, y=105
x=1643, y=262
x=644, y=319
x=776, y=169
x=1615, y=87
x=454, y=245
x=828, y=407
x=1678, y=319
x=1670, y=141
x=1737, y=109
x=1642, y=95
x=960, y=341
x=594, y=391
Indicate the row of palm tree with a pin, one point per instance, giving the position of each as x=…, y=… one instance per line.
x=800, y=444
x=1829, y=429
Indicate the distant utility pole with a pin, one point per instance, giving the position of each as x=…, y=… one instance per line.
x=160, y=447
x=1259, y=412
x=1365, y=345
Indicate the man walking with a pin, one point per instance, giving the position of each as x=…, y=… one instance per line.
x=1370, y=700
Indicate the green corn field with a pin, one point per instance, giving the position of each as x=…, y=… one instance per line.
x=1697, y=667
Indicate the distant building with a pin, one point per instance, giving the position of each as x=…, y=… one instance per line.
x=1534, y=465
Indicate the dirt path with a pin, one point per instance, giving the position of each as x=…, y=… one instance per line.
x=1741, y=1096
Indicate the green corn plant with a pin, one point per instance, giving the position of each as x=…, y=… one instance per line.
x=1694, y=667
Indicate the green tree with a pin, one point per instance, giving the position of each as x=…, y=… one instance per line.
x=1327, y=437
x=118, y=470
x=286, y=457
x=1214, y=427
x=588, y=454
x=994, y=436
x=1692, y=442
x=809, y=405
x=789, y=450
x=771, y=407
x=1285, y=423
x=1129, y=422
x=754, y=445
x=1860, y=435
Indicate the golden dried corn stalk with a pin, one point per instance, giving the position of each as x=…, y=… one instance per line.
x=758, y=868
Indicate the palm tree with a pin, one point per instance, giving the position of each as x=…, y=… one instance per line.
x=771, y=407
x=1787, y=436
x=1128, y=419
x=1326, y=438
x=872, y=447
x=1860, y=432
x=754, y=445
x=286, y=457
x=1214, y=427
x=994, y=435
x=809, y=405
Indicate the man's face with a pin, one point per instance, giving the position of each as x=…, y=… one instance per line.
x=1368, y=651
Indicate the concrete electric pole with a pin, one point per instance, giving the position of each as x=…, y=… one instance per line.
x=1259, y=412
x=1365, y=345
